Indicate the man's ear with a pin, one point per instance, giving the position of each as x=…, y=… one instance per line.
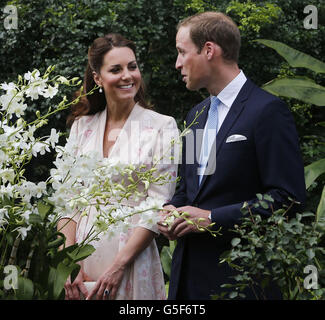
x=212, y=50
x=97, y=78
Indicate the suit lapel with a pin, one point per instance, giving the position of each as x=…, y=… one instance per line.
x=227, y=124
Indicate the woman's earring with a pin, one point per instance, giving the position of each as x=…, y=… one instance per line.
x=100, y=90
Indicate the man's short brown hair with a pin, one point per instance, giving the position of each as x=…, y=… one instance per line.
x=215, y=27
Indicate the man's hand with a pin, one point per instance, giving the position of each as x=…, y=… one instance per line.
x=199, y=216
x=181, y=227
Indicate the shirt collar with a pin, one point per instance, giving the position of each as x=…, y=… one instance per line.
x=228, y=95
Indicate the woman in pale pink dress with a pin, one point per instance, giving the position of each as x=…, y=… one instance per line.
x=126, y=266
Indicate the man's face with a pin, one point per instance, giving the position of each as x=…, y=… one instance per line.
x=191, y=63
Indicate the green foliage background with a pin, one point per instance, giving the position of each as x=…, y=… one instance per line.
x=60, y=32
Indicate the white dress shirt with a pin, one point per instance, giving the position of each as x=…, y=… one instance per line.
x=228, y=95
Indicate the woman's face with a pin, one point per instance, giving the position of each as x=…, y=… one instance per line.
x=119, y=75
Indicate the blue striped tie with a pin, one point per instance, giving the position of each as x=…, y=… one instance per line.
x=210, y=133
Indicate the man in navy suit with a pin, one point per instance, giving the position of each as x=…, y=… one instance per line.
x=254, y=149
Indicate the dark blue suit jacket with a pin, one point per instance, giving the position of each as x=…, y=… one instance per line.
x=269, y=161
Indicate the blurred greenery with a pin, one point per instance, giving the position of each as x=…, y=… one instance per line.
x=60, y=32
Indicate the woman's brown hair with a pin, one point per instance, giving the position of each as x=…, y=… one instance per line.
x=96, y=101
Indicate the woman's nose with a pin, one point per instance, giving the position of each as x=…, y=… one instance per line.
x=126, y=74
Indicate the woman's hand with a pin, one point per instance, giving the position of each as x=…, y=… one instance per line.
x=163, y=225
x=112, y=277
x=110, y=280
x=72, y=290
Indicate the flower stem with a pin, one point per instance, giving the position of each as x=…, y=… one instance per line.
x=14, y=249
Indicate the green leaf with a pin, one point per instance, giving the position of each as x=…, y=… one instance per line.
x=268, y=198
x=74, y=274
x=233, y=295
x=25, y=289
x=224, y=256
x=72, y=254
x=320, y=213
x=172, y=245
x=167, y=288
x=279, y=211
x=310, y=254
x=56, y=243
x=303, y=89
x=294, y=57
x=235, y=242
x=57, y=278
x=81, y=253
x=264, y=204
x=313, y=171
x=35, y=219
x=43, y=209
x=166, y=260
x=307, y=214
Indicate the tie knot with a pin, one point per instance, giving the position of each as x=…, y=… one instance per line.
x=214, y=102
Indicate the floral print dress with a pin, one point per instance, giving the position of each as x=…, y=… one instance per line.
x=145, y=137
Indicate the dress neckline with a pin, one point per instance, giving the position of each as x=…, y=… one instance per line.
x=103, y=122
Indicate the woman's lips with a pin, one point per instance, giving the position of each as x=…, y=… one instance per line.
x=126, y=86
